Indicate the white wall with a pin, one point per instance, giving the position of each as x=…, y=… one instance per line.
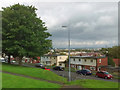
x=44, y=60
x=61, y=59
x=82, y=61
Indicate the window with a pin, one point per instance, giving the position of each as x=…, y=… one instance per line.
x=91, y=60
x=60, y=57
x=99, y=60
x=85, y=60
x=74, y=59
x=79, y=60
x=60, y=64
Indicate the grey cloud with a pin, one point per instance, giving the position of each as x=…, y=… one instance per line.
x=88, y=22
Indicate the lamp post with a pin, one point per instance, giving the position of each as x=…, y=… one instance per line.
x=68, y=52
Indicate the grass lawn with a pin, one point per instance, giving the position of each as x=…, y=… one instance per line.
x=90, y=83
x=35, y=72
x=12, y=81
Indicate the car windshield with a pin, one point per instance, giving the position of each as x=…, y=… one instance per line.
x=106, y=73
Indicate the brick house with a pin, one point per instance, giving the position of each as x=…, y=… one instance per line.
x=117, y=62
x=88, y=62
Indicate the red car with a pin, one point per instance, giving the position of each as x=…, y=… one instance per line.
x=104, y=74
x=47, y=69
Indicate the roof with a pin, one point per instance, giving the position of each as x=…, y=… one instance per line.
x=54, y=55
x=87, y=57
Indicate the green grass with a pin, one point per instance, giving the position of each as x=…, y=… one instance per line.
x=35, y=72
x=12, y=81
x=90, y=83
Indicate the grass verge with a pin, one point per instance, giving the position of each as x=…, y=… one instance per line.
x=90, y=83
x=34, y=72
x=12, y=81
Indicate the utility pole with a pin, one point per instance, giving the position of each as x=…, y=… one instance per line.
x=68, y=52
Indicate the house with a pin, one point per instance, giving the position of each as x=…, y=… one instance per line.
x=88, y=62
x=117, y=62
x=57, y=60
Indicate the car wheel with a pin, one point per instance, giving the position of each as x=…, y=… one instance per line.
x=105, y=77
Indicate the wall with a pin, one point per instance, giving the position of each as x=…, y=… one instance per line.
x=61, y=59
x=44, y=60
x=117, y=62
x=104, y=61
x=53, y=60
x=82, y=61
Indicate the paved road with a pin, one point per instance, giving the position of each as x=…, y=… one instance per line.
x=75, y=76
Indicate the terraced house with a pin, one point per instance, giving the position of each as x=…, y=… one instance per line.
x=88, y=62
x=57, y=60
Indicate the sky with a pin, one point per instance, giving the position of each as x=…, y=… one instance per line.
x=91, y=24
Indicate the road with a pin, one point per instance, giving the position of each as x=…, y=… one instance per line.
x=75, y=76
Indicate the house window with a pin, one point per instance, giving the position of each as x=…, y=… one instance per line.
x=85, y=60
x=79, y=60
x=60, y=64
x=99, y=60
x=54, y=57
x=74, y=59
x=91, y=60
x=60, y=57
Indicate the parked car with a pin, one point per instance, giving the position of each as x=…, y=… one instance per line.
x=104, y=74
x=47, y=69
x=58, y=68
x=2, y=60
x=12, y=61
x=84, y=72
x=39, y=65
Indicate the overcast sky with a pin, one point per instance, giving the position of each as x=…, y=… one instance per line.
x=92, y=24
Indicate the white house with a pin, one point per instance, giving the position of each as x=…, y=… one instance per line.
x=57, y=60
x=87, y=62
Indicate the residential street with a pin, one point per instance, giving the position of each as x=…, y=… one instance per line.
x=75, y=76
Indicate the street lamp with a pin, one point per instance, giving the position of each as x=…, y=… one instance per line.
x=68, y=52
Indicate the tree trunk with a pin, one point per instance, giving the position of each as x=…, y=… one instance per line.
x=20, y=61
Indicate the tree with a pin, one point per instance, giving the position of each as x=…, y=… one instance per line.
x=114, y=52
x=24, y=34
x=110, y=61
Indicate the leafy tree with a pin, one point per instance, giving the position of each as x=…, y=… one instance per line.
x=111, y=53
x=110, y=61
x=114, y=52
x=24, y=34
